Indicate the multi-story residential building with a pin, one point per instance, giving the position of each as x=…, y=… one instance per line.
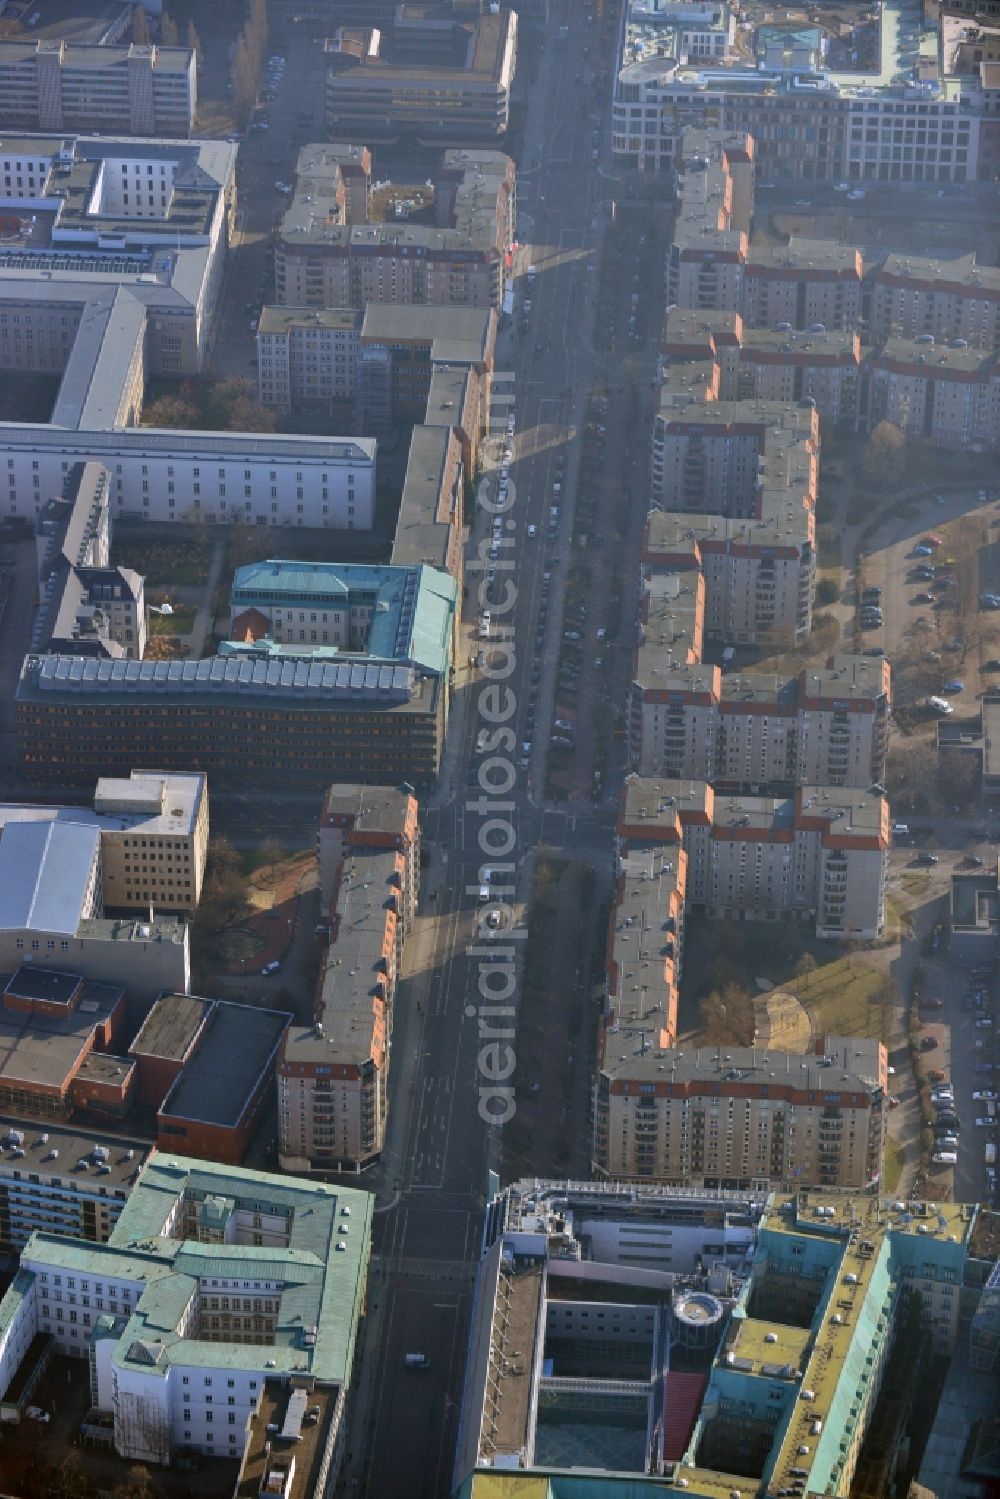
x=436, y=77
x=429, y=529
x=820, y=854
x=220, y=1317
x=705, y=265
x=731, y=456
x=308, y=358
x=750, y=729
x=739, y=1118
x=911, y=296
x=153, y=837
x=902, y=120
x=52, y=85
x=91, y=611
x=59, y=1181
x=808, y=284
x=333, y=1076
x=948, y=394
x=369, y=817
x=328, y=255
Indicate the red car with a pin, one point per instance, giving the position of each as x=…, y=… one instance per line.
x=933, y=540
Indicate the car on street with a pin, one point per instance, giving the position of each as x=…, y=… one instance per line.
x=921, y=550
x=932, y=1004
x=981, y=1094
x=974, y=861
x=989, y=601
x=925, y=857
x=875, y=650
x=270, y=968
x=532, y=532
x=922, y=574
x=954, y=686
x=985, y=1122
x=983, y=1067
x=984, y=1023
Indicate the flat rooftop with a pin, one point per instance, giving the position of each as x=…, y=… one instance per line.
x=266, y=1454
x=171, y=1026
x=237, y=1049
x=113, y=1161
x=45, y=1051
x=277, y=321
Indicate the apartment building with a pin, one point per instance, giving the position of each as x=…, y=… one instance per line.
x=333, y=1075
x=437, y=75
x=738, y=1118
x=912, y=296
x=825, y=726
x=429, y=529
x=728, y=456
x=708, y=252
x=186, y=1337
x=948, y=394
x=152, y=831
x=328, y=255
x=382, y=361
x=811, y=284
x=307, y=357
x=53, y=85
x=60, y=1181
x=370, y=817
x=91, y=611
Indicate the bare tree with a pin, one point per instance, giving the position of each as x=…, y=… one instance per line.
x=193, y=40
x=139, y=28
x=885, y=455
x=168, y=30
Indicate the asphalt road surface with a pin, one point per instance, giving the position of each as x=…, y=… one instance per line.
x=431, y=1183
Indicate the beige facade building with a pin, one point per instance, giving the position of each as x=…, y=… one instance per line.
x=152, y=829
x=53, y=85
x=308, y=356
x=328, y=255
x=802, y=284
x=948, y=394
x=333, y=1076
x=826, y=726
x=705, y=266
x=155, y=856
x=749, y=1119
x=912, y=296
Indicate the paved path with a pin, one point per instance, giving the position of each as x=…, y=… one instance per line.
x=204, y=619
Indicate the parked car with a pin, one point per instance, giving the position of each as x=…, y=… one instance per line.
x=925, y=857
x=270, y=968
x=928, y=1043
x=954, y=686
x=984, y=1093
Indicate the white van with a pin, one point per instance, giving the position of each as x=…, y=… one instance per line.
x=484, y=894
x=416, y=1361
x=945, y=1158
x=901, y=830
x=940, y=705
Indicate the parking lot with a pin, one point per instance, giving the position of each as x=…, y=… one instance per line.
x=958, y=1013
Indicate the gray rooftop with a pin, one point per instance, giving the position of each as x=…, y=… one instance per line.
x=235, y=1051
x=44, y=872
x=121, y=1155
x=171, y=1027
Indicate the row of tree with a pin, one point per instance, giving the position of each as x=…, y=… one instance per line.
x=211, y=406
x=169, y=35
x=249, y=55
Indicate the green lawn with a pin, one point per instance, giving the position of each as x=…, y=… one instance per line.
x=181, y=622
x=893, y=1168
x=846, y=998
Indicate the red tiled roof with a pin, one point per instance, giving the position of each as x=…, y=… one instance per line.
x=682, y=1398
